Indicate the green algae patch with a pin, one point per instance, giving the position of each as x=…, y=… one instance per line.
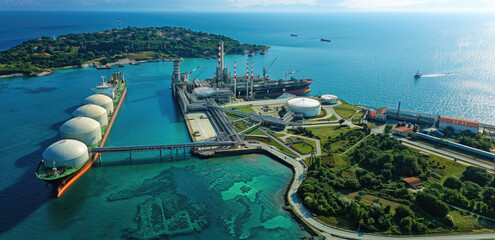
x=247, y=189
x=277, y=222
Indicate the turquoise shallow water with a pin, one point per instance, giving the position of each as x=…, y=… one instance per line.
x=108, y=198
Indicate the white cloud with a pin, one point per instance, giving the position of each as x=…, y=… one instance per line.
x=248, y=3
x=367, y=4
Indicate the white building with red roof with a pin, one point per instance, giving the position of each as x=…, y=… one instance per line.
x=458, y=124
x=401, y=131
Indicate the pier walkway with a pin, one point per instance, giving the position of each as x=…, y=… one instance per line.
x=161, y=147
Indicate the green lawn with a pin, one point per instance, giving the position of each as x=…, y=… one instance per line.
x=239, y=126
x=324, y=132
x=357, y=117
x=348, y=106
x=368, y=198
x=245, y=109
x=256, y=131
x=331, y=118
x=267, y=140
x=344, y=113
x=302, y=148
x=452, y=168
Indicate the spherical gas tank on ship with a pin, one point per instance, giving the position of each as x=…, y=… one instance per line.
x=100, y=100
x=94, y=112
x=83, y=129
x=65, y=153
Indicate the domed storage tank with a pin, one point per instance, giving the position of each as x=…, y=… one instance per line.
x=65, y=153
x=83, y=129
x=94, y=112
x=329, y=99
x=100, y=100
x=306, y=106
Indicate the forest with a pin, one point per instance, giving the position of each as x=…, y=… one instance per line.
x=35, y=56
x=368, y=195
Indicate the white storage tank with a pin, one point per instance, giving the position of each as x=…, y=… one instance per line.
x=306, y=106
x=329, y=99
x=94, y=112
x=83, y=129
x=100, y=100
x=65, y=153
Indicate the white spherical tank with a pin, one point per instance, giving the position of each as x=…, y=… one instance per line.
x=329, y=99
x=306, y=106
x=100, y=100
x=83, y=129
x=94, y=112
x=65, y=153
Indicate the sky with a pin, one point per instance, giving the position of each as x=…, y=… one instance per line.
x=249, y=5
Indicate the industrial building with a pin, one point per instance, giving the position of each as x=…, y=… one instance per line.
x=306, y=106
x=83, y=129
x=100, y=100
x=94, y=112
x=458, y=124
x=329, y=99
x=65, y=153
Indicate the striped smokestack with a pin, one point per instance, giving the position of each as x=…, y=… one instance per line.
x=219, y=54
x=252, y=79
x=247, y=79
x=235, y=79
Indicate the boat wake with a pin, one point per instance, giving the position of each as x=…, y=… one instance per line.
x=435, y=75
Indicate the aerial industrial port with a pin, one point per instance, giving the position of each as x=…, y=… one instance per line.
x=222, y=112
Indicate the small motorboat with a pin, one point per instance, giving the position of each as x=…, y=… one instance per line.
x=417, y=75
x=325, y=40
x=293, y=35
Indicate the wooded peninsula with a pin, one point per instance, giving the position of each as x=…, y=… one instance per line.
x=134, y=43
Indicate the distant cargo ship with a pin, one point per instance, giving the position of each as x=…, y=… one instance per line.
x=293, y=35
x=325, y=40
x=65, y=161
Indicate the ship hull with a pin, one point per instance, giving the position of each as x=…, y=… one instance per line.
x=274, y=92
x=62, y=184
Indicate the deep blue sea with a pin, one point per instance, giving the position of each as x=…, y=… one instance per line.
x=370, y=61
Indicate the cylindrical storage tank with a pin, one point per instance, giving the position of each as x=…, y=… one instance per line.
x=329, y=99
x=94, y=112
x=65, y=153
x=100, y=100
x=83, y=129
x=306, y=106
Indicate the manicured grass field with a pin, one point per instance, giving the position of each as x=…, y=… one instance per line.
x=267, y=140
x=344, y=113
x=368, y=198
x=302, y=148
x=331, y=131
x=357, y=117
x=348, y=106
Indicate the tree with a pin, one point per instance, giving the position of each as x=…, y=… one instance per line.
x=432, y=204
x=405, y=224
x=452, y=183
x=403, y=211
x=477, y=175
x=472, y=190
x=341, y=121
